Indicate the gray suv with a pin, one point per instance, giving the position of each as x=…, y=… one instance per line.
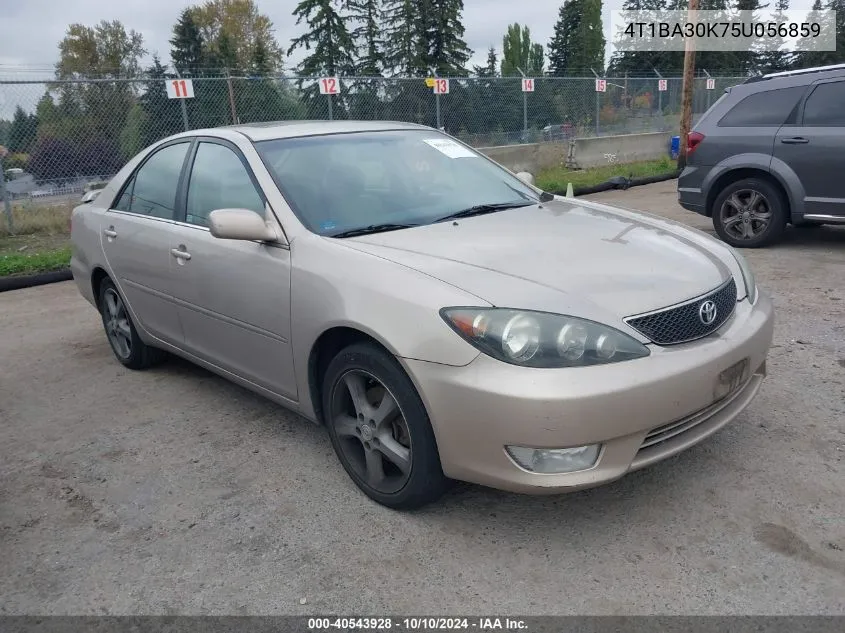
x=768, y=153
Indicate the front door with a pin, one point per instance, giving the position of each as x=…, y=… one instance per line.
x=233, y=296
x=136, y=241
x=815, y=149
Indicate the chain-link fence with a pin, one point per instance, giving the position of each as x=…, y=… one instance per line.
x=69, y=134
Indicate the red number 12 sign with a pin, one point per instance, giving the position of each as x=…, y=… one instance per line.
x=329, y=86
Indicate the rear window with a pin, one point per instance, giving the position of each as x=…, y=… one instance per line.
x=770, y=108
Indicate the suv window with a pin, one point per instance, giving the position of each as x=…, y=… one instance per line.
x=152, y=190
x=769, y=108
x=825, y=107
x=219, y=180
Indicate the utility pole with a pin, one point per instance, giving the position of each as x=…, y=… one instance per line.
x=689, y=78
x=524, y=106
x=183, y=105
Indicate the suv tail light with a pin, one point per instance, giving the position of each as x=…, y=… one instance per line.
x=693, y=140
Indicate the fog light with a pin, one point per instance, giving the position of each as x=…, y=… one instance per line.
x=555, y=460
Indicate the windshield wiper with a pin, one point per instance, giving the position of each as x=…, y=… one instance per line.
x=373, y=228
x=481, y=209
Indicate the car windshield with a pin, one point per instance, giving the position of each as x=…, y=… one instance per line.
x=372, y=181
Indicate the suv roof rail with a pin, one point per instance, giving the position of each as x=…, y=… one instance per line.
x=800, y=71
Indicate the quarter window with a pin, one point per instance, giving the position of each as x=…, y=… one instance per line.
x=764, y=109
x=219, y=180
x=825, y=106
x=152, y=190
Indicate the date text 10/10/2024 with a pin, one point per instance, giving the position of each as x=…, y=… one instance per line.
x=417, y=624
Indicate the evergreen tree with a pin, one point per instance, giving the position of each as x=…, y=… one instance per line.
x=401, y=20
x=187, y=46
x=536, y=60
x=328, y=36
x=578, y=42
x=443, y=47
x=23, y=131
x=516, y=49
x=490, y=69
x=772, y=61
x=808, y=53
x=162, y=116
x=367, y=14
x=749, y=62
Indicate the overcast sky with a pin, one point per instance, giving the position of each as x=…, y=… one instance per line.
x=30, y=30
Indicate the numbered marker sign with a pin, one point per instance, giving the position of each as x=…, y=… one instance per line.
x=711, y=84
x=527, y=85
x=601, y=85
x=441, y=86
x=663, y=85
x=180, y=89
x=329, y=86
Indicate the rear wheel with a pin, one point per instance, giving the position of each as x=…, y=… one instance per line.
x=750, y=213
x=129, y=349
x=380, y=430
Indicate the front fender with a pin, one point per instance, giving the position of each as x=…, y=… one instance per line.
x=333, y=285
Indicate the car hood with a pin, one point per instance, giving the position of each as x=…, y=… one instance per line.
x=562, y=256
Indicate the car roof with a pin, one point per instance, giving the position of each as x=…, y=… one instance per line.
x=291, y=129
x=799, y=77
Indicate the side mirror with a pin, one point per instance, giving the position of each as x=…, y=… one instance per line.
x=526, y=177
x=240, y=224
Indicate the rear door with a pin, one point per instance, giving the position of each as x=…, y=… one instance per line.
x=814, y=148
x=233, y=295
x=135, y=235
x=750, y=127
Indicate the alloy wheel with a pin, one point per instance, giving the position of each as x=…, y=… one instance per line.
x=746, y=214
x=116, y=321
x=372, y=431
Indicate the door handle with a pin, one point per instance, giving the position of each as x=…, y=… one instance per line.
x=110, y=232
x=795, y=140
x=180, y=254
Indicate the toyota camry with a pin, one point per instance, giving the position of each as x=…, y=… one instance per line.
x=441, y=316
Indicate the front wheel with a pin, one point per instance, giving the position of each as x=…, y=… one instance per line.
x=380, y=430
x=750, y=213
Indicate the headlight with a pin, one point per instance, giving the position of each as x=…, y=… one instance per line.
x=541, y=339
x=747, y=276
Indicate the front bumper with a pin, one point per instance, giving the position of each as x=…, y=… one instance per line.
x=673, y=398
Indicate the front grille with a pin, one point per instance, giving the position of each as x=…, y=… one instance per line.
x=682, y=323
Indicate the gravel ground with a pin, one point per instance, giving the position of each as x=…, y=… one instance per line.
x=173, y=491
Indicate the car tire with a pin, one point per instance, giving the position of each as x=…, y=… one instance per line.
x=750, y=213
x=121, y=333
x=391, y=457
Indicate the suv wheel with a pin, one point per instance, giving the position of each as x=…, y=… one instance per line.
x=749, y=213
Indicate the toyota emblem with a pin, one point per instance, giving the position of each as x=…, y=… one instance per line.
x=707, y=312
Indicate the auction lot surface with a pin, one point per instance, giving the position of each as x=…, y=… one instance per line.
x=173, y=491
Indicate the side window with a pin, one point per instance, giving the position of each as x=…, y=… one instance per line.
x=769, y=108
x=219, y=180
x=152, y=190
x=825, y=107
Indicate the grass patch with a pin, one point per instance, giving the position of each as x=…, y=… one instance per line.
x=29, y=218
x=557, y=178
x=32, y=263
